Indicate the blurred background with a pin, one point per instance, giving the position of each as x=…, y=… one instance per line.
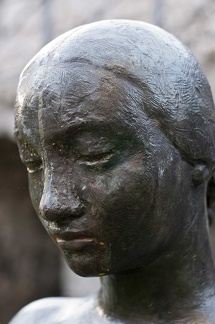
x=30, y=264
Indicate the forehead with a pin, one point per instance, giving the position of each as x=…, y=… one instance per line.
x=64, y=83
x=70, y=94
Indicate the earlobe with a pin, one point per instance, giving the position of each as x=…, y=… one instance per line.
x=200, y=174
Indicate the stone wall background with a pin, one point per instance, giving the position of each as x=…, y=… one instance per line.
x=29, y=263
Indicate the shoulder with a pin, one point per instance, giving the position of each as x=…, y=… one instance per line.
x=48, y=310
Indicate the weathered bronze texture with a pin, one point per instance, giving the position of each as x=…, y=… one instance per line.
x=115, y=122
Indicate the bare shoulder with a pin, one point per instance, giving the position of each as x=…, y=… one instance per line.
x=57, y=310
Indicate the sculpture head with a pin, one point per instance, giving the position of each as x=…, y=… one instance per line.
x=115, y=122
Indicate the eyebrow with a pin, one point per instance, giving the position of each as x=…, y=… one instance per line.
x=99, y=125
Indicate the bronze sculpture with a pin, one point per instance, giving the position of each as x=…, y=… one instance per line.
x=115, y=123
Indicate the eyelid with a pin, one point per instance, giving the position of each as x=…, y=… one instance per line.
x=32, y=161
x=34, y=169
x=34, y=166
x=97, y=158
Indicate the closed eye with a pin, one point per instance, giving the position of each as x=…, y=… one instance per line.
x=95, y=159
x=34, y=166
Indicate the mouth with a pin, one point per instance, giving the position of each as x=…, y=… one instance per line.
x=73, y=240
x=76, y=244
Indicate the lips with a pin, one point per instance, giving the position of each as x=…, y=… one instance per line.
x=72, y=240
x=66, y=235
x=76, y=244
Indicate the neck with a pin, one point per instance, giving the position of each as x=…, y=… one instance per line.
x=174, y=286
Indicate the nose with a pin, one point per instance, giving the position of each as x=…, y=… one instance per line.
x=59, y=202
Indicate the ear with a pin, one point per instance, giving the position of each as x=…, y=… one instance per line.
x=200, y=174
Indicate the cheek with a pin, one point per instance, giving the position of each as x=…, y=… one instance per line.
x=121, y=207
x=131, y=182
x=120, y=199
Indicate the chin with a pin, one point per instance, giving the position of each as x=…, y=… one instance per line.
x=86, y=265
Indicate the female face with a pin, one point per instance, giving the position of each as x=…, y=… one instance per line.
x=104, y=180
